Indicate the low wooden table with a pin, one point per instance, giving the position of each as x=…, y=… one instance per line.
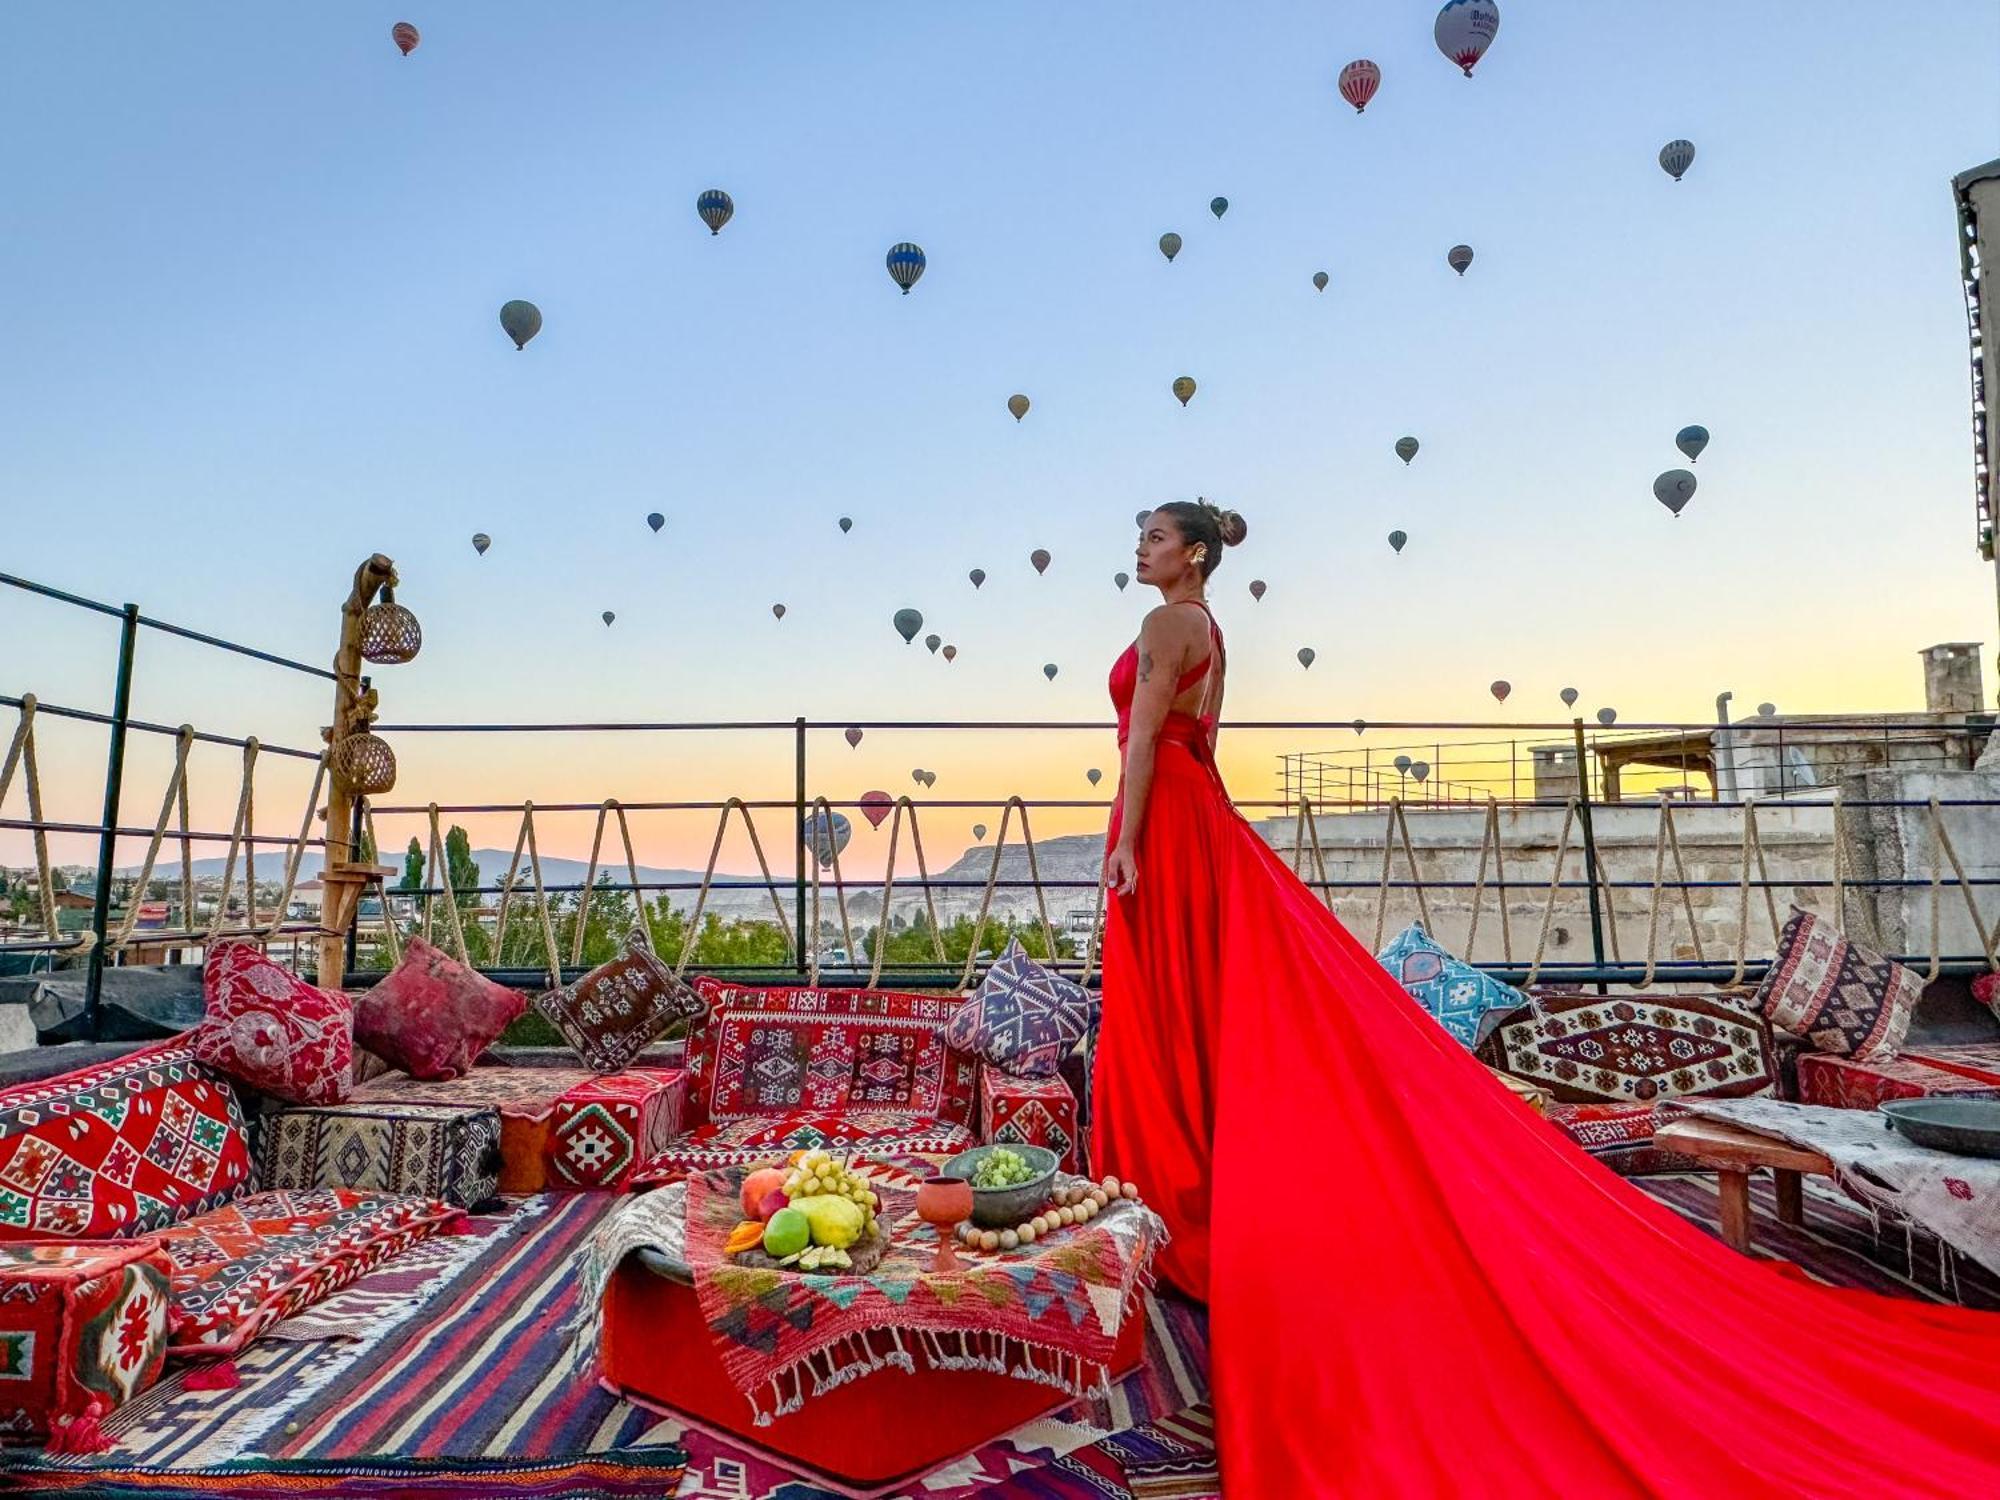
x=1735, y=1153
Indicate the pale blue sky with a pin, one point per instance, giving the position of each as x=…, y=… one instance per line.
x=254, y=260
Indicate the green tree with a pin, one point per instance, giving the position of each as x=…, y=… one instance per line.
x=413, y=867
x=366, y=852
x=462, y=867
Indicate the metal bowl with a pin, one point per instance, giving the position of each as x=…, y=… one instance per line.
x=1964, y=1127
x=1003, y=1208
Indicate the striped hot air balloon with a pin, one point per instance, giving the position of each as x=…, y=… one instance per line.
x=716, y=208
x=405, y=36
x=1676, y=157
x=1358, y=82
x=906, y=263
x=1170, y=245
x=1184, y=389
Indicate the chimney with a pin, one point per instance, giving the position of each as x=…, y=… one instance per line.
x=1952, y=678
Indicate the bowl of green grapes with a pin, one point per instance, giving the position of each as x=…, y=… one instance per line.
x=1008, y=1182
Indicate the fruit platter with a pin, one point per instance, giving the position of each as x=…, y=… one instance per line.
x=815, y=1214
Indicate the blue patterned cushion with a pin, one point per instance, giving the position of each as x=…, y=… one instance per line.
x=1023, y=1019
x=1459, y=995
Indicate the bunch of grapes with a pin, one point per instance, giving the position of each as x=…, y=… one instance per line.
x=1002, y=1167
x=816, y=1172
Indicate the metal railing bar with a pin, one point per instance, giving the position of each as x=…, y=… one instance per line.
x=1913, y=721
x=63, y=596
x=264, y=840
x=202, y=736
x=994, y=804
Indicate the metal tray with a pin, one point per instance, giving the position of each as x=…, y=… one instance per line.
x=1964, y=1127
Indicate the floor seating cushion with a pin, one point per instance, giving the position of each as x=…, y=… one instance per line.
x=120, y=1148
x=1845, y=1083
x=1609, y=1061
x=446, y=1151
x=1836, y=995
x=268, y=1028
x=1459, y=996
x=559, y=1127
x=760, y=1138
x=1030, y=1112
x=1024, y=1017
x=263, y=1257
x=81, y=1321
x=617, y=1010
x=432, y=1016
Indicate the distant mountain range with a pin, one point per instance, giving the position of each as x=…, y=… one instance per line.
x=492, y=870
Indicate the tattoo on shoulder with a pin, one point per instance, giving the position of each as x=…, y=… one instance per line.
x=1145, y=665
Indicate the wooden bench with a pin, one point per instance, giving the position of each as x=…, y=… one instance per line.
x=1734, y=1153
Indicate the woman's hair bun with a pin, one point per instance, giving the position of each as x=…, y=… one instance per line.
x=1233, y=528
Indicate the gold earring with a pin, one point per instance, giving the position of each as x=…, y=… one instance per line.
x=1201, y=554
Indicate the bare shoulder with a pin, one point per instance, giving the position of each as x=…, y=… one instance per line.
x=1168, y=624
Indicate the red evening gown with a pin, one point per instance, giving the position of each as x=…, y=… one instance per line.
x=1418, y=1287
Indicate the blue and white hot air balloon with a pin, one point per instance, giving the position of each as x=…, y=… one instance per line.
x=715, y=208
x=1465, y=29
x=826, y=834
x=906, y=264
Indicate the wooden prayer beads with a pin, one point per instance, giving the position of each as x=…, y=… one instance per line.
x=1074, y=1202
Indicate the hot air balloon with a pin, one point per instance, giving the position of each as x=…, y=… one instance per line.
x=1406, y=448
x=979, y=830
x=1184, y=389
x=777, y=611
x=1674, y=489
x=853, y=733
x=1568, y=696
x=1170, y=246
x=609, y=617
x=715, y=208
x=480, y=542
x=826, y=834
x=875, y=806
x=1464, y=30
x=917, y=775
x=1018, y=405
x=1307, y=656
x=1765, y=710
x=1358, y=82
x=907, y=622
x=1500, y=690
x=1419, y=769
x=1257, y=587
x=1360, y=726
x=656, y=521
x=1121, y=579
x=1049, y=670
x=1403, y=764
x=1607, y=717
x=1093, y=776
x=930, y=778
x=1691, y=440
x=1040, y=558
x=522, y=320
x=906, y=264
x=846, y=524
x=1319, y=280
x=1676, y=157
x=951, y=653
x=978, y=576
x=1218, y=206
x=933, y=642
x=1397, y=538
x=1458, y=258
x=405, y=36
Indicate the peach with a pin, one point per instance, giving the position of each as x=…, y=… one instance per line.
x=758, y=1187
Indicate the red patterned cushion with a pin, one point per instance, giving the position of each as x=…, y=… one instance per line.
x=123, y=1148
x=264, y=1257
x=606, y=1126
x=1834, y=995
x=80, y=1321
x=1986, y=990
x=1620, y=1136
x=783, y=1051
x=1634, y=1048
x=268, y=1027
x=433, y=1016
x=760, y=1138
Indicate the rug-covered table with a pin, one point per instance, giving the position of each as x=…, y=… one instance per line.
x=1956, y=1198
x=868, y=1381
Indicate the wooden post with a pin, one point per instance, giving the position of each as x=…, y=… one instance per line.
x=353, y=710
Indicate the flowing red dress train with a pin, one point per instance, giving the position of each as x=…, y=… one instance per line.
x=1416, y=1285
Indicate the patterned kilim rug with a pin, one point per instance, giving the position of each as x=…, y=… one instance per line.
x=633, y=1474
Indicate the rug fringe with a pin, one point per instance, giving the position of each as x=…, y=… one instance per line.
x=84, y=1434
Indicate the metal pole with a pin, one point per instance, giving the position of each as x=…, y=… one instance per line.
x=107, y=838
x=1589, y=853
x=799, y=839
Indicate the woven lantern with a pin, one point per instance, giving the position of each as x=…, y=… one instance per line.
x=366, y=763
x=390, y=634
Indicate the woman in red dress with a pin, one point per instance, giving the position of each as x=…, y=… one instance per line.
x=1417, y=1286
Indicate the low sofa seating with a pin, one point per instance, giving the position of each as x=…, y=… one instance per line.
x=155, y=1146
x=1611, y=1061
x=779, y=1069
